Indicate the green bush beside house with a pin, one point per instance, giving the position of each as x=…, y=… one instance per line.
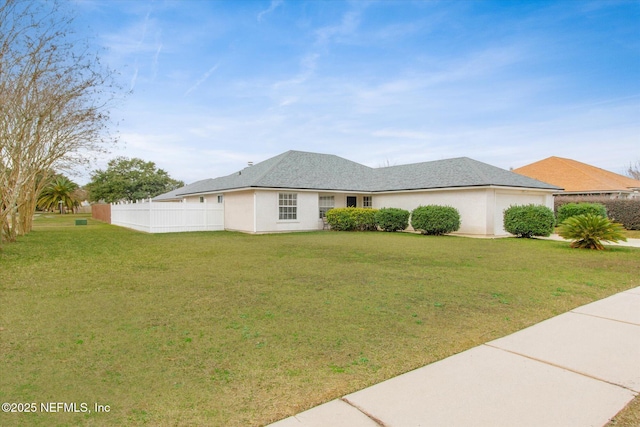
x=352, y=219
x=529, y=220
x=435, y=219
x=392, y=219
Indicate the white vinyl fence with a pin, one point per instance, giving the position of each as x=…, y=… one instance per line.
x=168, y=217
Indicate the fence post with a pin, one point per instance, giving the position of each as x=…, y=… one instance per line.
x=184, y=214
x=150, y=216
x=206, y=212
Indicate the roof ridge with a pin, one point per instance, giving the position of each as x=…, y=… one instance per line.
x=416, y=163
x=474, y=165
x=281, y=156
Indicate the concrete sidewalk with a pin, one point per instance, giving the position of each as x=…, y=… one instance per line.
x=577, y=369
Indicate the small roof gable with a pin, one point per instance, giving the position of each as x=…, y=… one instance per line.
x=187, y=189
x=304, y=170
x=328, y=172
x=575, y=176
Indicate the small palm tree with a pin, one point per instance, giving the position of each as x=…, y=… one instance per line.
x=589, y=231
x=61, y=189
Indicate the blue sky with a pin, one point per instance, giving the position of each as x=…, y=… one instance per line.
x=216, y=84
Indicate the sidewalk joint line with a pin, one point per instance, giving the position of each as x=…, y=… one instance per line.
x=605, y=318
x=365, y=413
x=546, y=362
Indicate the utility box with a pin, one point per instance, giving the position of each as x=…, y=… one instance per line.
x=81, y=222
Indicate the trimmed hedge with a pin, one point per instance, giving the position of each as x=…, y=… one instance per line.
x=435, y=219
x=529, y=220
x=574, y=209
x=392, y=219
x=352, y=219
x=623, y=211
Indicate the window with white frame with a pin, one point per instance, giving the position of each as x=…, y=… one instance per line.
x=367, y=202
x=201, y=199
x=220, y=198
x=325, y=203
x=287, y=206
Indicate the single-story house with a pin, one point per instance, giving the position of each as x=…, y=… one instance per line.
x=292, y=191
x=581, y=179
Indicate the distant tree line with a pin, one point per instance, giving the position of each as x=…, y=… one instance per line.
x=123, y=180
x=127, y=179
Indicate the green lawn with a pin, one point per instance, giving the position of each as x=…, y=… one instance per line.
x=228, y=329
x=632, y=234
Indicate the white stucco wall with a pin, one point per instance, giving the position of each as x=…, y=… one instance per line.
x=210, y=198
x=481, y=209
x=239, y=211
x=471, y=203
x=267, y=220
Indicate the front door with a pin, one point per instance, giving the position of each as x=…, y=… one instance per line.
x=351, y=201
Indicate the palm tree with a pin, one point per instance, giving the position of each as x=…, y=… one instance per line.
x=589, y=231
x=61, y=189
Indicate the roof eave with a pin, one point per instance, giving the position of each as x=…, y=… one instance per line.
x=598, y=191
x=351, y=190
x=473, y=186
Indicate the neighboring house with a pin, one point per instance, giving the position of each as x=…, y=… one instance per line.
x=581, y=179
x=292, y=191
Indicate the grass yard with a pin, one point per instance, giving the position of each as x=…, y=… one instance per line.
x=632, y=234
x=228, y=329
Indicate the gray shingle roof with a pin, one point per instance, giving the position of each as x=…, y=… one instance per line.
x=304, y=170
x=458, y=172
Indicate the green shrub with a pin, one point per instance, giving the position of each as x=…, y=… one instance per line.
x=589, y=231
x=529, y=220
x=435, y=219
x=340, y=219
x=351, y=219
x=365, y=219
x=574, y=209
x=392, y=219
x=623, y=211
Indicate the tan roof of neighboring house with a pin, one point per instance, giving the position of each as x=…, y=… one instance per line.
x=575, y=176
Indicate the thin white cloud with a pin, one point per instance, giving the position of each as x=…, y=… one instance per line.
x=154, y=63
x=347, y=27
x=145, y=26
x=204, y=77
x=134, y=77
x=131, y=45
x=308, y=65
x=288, y=101
x=274, y=4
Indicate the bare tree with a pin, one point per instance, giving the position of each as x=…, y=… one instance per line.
x=387, y=163
x=634, y=170
x=54, y=98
